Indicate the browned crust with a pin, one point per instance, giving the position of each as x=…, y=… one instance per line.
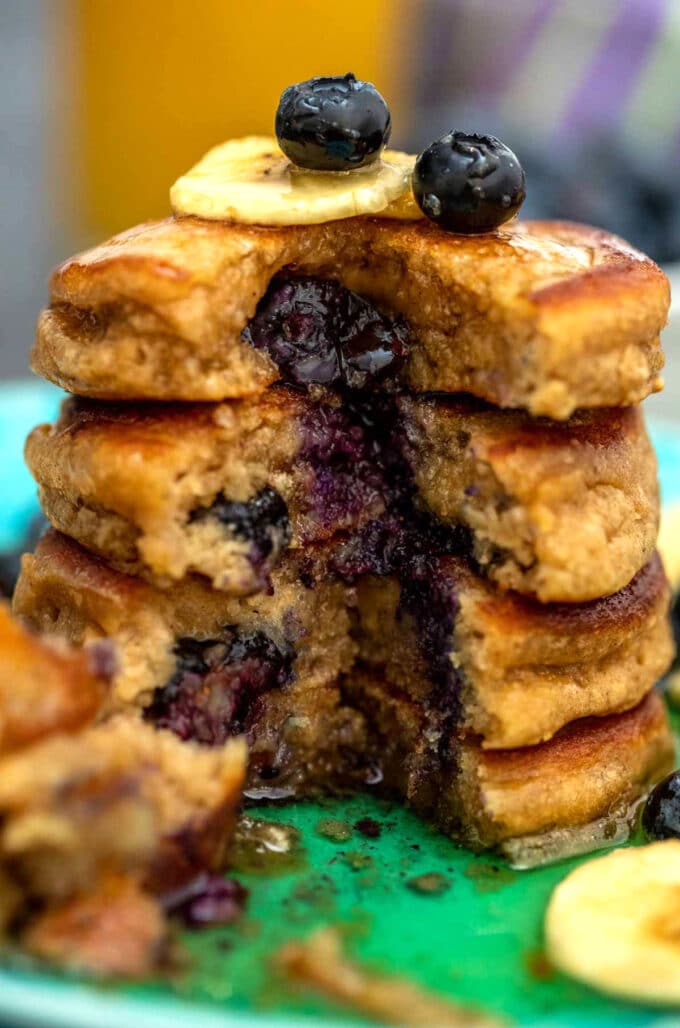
x=575, y=777
x=57, y=555
x=604, y=262
x=616, y=615
x=545, y=315
x=575, y=744
x=118, y=421
x=612, y=279
x=46, y=687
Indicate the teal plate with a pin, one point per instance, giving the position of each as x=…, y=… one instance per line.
x=479, y=941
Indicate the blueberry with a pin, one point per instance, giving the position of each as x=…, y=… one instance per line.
x=296, y=324
x=217, y=686
x=332, y=124
x=262, y=521
x=317, y=331
x=346, y=480
x=661, y=815
x=468, y=183
x=372, y=352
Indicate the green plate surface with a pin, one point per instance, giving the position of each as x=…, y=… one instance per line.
x=479, y=941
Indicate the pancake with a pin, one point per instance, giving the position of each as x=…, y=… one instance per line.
x=566, y=511
x=218, y=489
x=547, y=316
x=209, y=666
x=563, y=510
x=505, y=668
x=98, y=818
x=97, y=827
x=534, y=803
x=122, y=797
x=115, y=929
x=47, y=687
x=509, y=670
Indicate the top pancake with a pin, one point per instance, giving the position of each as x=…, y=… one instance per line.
x=547, y=316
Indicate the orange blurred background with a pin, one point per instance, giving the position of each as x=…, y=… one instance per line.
x=162, y=81
x=103, y=103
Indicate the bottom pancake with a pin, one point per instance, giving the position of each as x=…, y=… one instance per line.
x=523, y=801
x=497, y=668
x=279, y=669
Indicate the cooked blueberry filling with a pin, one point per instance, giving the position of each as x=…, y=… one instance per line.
x=399, y=543
x=317, y=331
x=428, y=595
x=405, y=540
x=217, y=688
x=412, y=545
x=262, y=521
x=348, y=480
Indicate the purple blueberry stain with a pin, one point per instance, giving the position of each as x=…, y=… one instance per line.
x=412, y=545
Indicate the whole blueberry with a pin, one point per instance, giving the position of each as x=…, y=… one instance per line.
x=332, y=124
x=468, y=183
x=661, y=815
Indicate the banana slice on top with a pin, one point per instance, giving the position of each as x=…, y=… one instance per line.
x=614, y=923
x=251, y=181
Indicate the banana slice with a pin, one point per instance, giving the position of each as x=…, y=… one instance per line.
x=405, y=206
x=614, y=923
x=251, y=181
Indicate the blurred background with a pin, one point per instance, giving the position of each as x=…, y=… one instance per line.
x=104, y=102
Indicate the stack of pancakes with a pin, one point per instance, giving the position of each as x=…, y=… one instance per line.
x=442, y=583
